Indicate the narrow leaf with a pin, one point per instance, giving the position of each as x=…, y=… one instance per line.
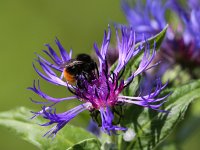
x=158, y=38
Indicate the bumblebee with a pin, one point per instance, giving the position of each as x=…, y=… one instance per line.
x=82, y=66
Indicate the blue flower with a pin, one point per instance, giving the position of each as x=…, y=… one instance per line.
x=191, y=35
x=103, y=92
x=148, y=18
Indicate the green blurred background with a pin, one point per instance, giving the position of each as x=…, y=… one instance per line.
x=26, y=25
x=24, y=29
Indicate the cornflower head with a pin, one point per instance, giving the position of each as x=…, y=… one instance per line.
x=181, y=46
x=100, y=91
x=189, y=41
x=148, y=17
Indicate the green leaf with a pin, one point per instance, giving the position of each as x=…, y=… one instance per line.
x=158, y=38
x=89, y=144
x=18, y=121
x=151, y=127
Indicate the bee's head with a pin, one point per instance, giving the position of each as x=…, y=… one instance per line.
x=84, y=58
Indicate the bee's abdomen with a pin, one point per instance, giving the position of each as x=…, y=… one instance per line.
x=69, y=77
